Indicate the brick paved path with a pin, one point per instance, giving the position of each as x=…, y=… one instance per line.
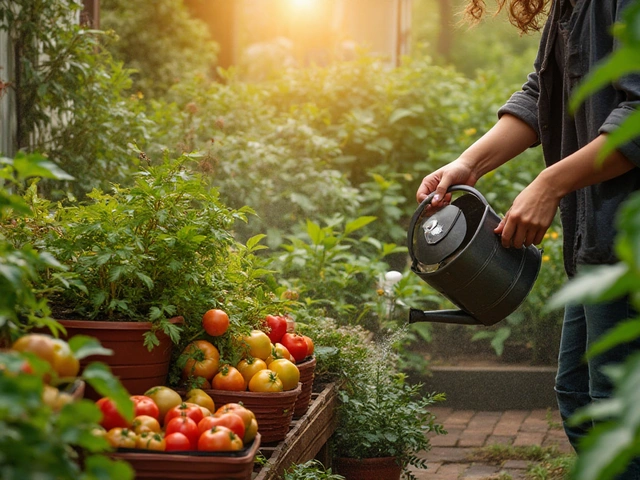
x=468, y=430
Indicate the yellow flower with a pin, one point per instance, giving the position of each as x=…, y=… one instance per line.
x=546, y=258
x=546, y=236
x=380, y=292
x=140, y=95
x=554, y=235
x=470, y=131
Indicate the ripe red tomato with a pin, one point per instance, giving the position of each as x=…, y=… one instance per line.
x=243, y=412
x=203, y=360
x=277, y=327
x=230, y=420
x=176, y=442
x=110, y=416
x=219, y=439
x=186, y=426
x=215, y=322
x=296, y=344
x=229, y=378
x=144, y=405
x=185, y=409
x=206, y=423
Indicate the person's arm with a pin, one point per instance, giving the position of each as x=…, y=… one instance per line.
x=534, y=208
x=509, y=137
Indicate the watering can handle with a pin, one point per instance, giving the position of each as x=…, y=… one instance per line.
x=427, y=201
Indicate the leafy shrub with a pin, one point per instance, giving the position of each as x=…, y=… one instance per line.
x=70, y=94
x=159, y=248
x=160, y=41
x=381, y=415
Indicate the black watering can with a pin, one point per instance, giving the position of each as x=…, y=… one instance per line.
x=454, y=249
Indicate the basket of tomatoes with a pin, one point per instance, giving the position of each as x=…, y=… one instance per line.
x=265, y=377
x=172, y=437
x=281, y=332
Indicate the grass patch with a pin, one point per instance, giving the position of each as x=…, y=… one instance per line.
x=547, y=463
x=498, y=453
x=552, y=469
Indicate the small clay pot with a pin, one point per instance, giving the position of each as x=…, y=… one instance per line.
x=137, y=368
x=307, y=373
x=383, y=468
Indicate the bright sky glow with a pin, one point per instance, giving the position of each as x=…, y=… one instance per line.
x=302, y=3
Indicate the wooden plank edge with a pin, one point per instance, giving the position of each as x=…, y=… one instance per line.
x=276, y=463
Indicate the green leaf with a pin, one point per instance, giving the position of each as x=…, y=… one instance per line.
x=358, y=223
x=600, y=283
x=84, y=346
x=100, y=467
x=35, y=165
x=498, y=340
x=315, y=232
x=611, y=444
x=252, y=243
x=99, y=376
x=621, y=333
x=399, y=114
x=146, y=279
x=629, y=130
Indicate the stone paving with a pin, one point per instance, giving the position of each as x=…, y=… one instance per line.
x=468, y=430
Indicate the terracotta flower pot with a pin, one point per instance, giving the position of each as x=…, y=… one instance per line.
x=383, y=468
x=137, y=368
x=307, y=372
x=273, y=410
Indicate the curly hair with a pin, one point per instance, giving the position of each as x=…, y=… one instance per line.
x=527, y=15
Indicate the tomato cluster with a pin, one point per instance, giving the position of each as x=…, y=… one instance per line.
x=64, y=367
x=164, y=421
x=269, y=356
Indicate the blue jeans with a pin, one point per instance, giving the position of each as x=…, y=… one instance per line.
x=579, y=382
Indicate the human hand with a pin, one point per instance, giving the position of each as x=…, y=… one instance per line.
x=457, y=172
x=529, y=217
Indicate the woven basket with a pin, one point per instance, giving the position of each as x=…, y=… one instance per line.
x=307, y=371
x=273, y=410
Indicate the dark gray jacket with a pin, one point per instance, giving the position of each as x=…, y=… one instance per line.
x=588, y=215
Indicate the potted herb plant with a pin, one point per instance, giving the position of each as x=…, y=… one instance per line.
x=135, y=259
x=382, y=425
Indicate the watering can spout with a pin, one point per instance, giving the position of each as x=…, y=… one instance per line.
x=442, y=316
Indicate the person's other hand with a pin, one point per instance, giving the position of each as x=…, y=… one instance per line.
x=457, y=172
x=529, y=217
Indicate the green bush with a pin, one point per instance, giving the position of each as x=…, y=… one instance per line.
x=70, y=94
x=160, y=41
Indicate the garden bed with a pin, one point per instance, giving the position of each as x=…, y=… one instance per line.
x=307, y=437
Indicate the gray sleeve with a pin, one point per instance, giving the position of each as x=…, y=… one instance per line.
x=524, y=104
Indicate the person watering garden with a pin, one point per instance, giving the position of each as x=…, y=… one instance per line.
x=576, y=35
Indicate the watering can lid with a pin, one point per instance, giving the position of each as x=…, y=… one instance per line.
x=440, y=235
